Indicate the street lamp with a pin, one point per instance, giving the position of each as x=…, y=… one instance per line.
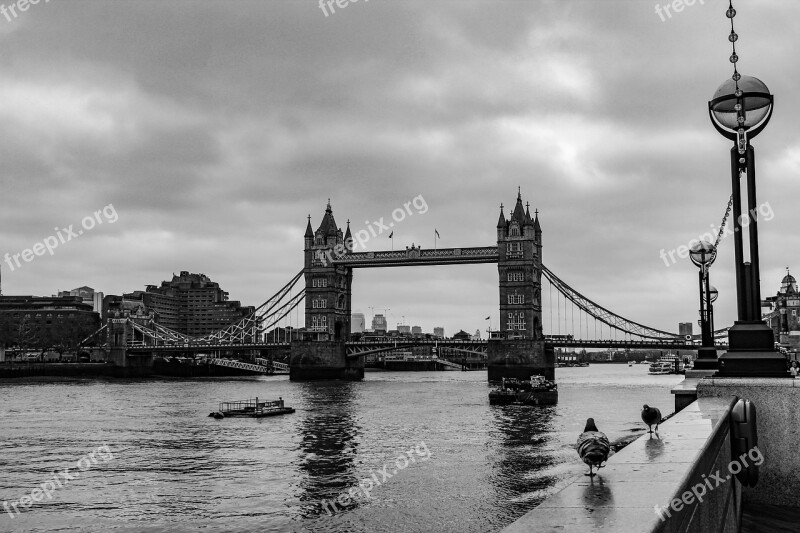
x=703, y=255
x=740, y=110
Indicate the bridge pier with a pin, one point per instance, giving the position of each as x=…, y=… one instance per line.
x=322, y=360
x=521, y=359
x=127, y=364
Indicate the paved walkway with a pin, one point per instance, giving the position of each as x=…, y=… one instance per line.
x=770, y=519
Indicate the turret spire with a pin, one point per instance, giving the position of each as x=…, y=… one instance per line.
x=328, y=225
x=502, y=222
x=309, y=231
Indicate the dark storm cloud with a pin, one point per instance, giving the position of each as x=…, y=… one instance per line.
x=216, y=127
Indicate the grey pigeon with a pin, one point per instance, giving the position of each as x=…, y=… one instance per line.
x=650, y=416
x=593, y=446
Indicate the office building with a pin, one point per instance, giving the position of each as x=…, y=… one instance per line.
x=191, y=304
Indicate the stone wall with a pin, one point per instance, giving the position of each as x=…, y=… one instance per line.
x=320, y=360
x=776, y=401
x=520, y=359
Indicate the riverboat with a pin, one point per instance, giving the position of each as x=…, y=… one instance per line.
x=667, y=364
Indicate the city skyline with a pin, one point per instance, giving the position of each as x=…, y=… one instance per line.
x=213, y=165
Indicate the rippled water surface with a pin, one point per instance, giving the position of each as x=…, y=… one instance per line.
x=175, y=469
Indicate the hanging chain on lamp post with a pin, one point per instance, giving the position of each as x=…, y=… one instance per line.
x=740, y=110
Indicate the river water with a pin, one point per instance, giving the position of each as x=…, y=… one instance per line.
x=160, y=464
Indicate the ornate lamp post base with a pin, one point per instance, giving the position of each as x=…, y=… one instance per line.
x=706, y=358
x=752, y=352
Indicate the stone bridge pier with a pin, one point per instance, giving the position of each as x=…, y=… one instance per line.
x=128, y=364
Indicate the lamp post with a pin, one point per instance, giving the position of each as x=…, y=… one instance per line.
x=740, y=110
x=703, y=255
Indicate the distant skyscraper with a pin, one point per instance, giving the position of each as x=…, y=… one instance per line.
x=379, y=323
x=358, y=323
x=685, y=328
x=403, y=329
x=416, y=330
x=438, y=332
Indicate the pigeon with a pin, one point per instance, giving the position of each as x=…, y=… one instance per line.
x=593, y=446
x=650, y=416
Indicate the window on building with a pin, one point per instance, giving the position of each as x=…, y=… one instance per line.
x=514, y=249
x=516, y=275
x=319, y=303
x=319, y=282
x=516, y=321
x=514, y=230
x=516, y=299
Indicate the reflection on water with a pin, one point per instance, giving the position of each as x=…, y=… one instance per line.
x=329, y=445
x=175, y=469
x=523, y=454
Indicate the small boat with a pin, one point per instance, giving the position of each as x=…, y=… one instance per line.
x=630, y=363
x=251, y=408
x=537, y=391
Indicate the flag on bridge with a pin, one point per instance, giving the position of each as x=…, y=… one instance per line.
x=391, y=234
x=488, y=317
x=437, y=233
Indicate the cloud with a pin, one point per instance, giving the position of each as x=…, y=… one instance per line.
x=215, y=128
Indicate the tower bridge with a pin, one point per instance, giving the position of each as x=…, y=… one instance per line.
x=323, y=349
x=329, y=264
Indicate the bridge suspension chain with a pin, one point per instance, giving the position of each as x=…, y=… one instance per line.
x=604, y=315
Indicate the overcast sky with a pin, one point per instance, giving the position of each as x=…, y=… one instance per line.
x=214, y=129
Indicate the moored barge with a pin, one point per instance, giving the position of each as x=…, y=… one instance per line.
x=252, y=408
x=537, y=391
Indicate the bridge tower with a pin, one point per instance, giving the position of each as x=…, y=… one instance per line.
x=518, y=349
x=320, y=354
x=127, y=364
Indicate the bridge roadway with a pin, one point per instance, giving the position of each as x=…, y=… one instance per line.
x=643, y=345
x=210, y=347
x=418, y=256
x=355, y=348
